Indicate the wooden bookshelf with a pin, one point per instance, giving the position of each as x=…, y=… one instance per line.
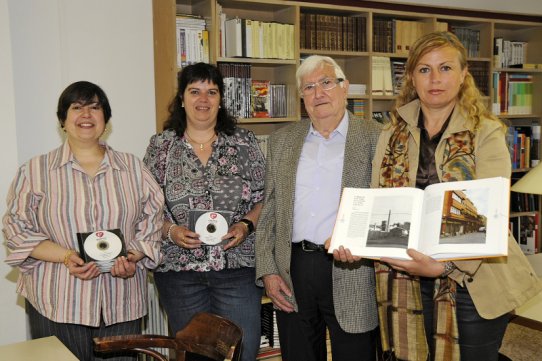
x=356, y=62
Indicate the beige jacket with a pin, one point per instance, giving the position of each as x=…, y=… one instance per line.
x=497, y=285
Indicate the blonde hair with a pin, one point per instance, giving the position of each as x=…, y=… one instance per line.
x=469, y=97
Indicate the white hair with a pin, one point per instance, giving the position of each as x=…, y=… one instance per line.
x=314, y=62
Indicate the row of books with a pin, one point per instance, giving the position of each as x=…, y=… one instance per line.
x=480, y=72
x=249, y=38
x=387, y=75
x=508, y=53
x=333, y=32
x=512, y=93
x=524, y=145
x=248, y=98
x=192, y=40
x=357, y=89
x=470, y=38
x=382, y=117
x=525, y=229
x=394, y=35
x=523, y=202
x=270, y=344
x=356, y=106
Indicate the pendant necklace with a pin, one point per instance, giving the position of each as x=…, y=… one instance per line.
x=200, y=144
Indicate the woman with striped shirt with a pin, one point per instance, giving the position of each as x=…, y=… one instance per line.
x=82, y=187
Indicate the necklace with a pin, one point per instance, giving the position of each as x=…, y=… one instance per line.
x=200, y=144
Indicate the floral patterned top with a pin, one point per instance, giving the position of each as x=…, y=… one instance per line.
x=232, y=180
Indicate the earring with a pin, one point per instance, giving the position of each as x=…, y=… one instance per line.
x=106, y=131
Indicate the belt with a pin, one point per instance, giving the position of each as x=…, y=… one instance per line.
x=308, y=246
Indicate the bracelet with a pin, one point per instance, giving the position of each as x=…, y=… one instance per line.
x=169, y=232
x=449, y=267
x=67, y=256
x=248, y=223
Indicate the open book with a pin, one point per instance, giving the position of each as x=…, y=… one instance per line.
x=451, y=220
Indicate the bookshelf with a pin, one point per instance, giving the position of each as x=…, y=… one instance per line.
x=372, y=23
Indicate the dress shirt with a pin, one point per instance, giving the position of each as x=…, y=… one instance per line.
x=52, y=198
x=318, y=184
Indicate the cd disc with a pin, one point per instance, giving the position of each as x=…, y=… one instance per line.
x=103, y=245
x=211, y=226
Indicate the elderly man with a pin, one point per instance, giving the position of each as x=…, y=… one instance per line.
x=308, y=164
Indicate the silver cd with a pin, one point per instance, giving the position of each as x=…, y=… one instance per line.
x=211, y=227
x=103, y=245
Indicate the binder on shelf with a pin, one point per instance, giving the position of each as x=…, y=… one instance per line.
x=234, y=38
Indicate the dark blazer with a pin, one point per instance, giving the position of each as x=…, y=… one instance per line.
x=354, y=294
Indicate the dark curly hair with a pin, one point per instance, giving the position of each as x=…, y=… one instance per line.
x=193, y=73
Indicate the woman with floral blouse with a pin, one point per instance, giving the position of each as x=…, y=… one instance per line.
x=207, y=165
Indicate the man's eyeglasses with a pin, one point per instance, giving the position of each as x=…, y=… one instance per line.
x=325, y=84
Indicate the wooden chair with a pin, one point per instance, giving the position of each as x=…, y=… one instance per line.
x=206, y=334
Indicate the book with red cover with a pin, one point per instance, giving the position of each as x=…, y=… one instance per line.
x=260, y=100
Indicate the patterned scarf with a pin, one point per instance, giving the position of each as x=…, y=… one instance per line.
x=399, y=298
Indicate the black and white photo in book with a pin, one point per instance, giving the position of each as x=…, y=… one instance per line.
x=451, y=220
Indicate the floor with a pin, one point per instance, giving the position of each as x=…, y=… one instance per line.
x=522, y=342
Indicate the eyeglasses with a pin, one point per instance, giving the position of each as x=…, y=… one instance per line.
x=325, y=84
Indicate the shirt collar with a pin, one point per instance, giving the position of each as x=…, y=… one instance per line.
x=342, y=128
x=64, y=156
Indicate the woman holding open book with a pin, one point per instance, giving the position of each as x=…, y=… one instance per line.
x=441, y=131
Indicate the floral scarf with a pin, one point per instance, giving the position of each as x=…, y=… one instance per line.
x=398, y=294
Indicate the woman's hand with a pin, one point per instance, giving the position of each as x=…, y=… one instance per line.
x=420, y=265
x=78, y=268
x=237, y=233
x=183, y=237
x=125, y=267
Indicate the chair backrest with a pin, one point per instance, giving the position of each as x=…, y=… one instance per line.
x=206, y=334
x=212, y=336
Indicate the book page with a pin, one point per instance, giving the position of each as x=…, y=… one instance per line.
x=466, y=219
x=378, y=222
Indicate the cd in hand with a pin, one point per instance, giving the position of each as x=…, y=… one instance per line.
x=103, y=245
x=211, y=227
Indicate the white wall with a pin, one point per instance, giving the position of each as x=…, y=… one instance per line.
x=46, y=45
x=528, y=7
x=13, y=319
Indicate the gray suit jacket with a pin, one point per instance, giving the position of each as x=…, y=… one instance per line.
x=354, y=294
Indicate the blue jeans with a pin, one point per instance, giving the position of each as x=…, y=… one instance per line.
x=230, y=293
x=479, y=338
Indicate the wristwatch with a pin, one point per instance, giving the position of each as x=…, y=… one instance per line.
x=249, y=224
x=449, y=267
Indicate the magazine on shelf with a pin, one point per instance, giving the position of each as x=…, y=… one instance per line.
x=451, y=220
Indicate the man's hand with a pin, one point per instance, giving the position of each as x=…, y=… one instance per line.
x=420, y=265
x=276, y=288
x=342, y=254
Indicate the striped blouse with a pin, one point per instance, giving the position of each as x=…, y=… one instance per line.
x=52, y=198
